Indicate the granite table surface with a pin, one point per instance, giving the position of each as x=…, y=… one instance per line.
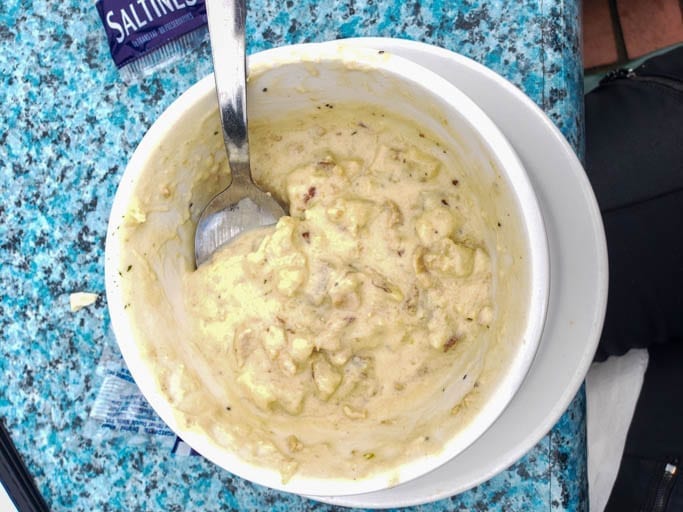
x=68, y=126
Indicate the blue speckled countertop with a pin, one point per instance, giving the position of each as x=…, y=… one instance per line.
x=69, y=125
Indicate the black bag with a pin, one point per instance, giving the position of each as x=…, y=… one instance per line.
x=634, y=160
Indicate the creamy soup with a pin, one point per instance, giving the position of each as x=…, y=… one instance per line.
x=350, y=337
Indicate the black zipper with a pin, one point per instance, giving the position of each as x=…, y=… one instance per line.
x=662, y=492
x=632, y=74
x=617, y=74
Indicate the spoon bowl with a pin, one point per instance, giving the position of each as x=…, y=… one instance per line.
x=242, y=205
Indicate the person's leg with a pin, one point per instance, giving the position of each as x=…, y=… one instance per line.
x=649, y=470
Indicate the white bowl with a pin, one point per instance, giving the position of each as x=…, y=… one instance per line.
x=302, y=77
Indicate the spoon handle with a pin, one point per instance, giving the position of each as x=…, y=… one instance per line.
x=227, y=21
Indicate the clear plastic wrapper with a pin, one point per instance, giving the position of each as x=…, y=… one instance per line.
x=121, y=410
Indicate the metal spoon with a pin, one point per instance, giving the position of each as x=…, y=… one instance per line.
x=242, y=205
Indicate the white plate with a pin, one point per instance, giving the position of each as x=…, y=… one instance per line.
x=578, y=281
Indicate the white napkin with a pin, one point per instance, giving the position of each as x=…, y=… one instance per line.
x=612, y=390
